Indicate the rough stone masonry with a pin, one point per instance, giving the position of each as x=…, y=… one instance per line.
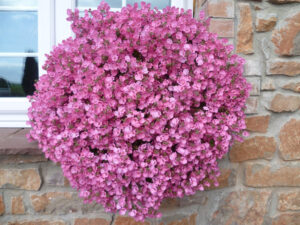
x=260, y=180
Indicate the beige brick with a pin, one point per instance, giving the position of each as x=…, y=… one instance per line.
x=258, y=123
x=226, y=179
x=222, y=27
x=282, y=67
x=268, y=84
x=293, y=86
x=17, y=205
x=91, y=221
x=261, y=175
x=287, y=219
x=285, y=103
x=220, y=8
x=265, y=21
x=27, y=179
x=290, y=140
x=245, y=30
x=251, y=105
x=36, y=222
x=289, y=200
x=125, y=220
x=286, y=36
x=2, y=206
x=47, y=201
x=255, y=85
x=241, y=208
x=258, y=147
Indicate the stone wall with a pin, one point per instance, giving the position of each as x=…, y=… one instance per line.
x=260, y=179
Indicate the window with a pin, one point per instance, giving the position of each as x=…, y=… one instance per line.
x=26, y=35
x=29, y=30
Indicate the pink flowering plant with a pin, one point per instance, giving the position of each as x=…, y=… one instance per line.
x=139, y=106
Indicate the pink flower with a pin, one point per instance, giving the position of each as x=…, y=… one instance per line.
x=174, y=122
x=135, y=103
x=138, y=76
x=155, y=113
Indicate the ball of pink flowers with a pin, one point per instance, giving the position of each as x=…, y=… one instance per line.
x=139, y=106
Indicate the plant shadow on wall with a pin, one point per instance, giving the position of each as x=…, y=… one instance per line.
x=139, y=106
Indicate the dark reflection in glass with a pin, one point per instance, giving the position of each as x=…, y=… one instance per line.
x=31, y=73
x=19, y=3
x=18, y=31
x=95, y=3
x=160, y=4
x=17, y=76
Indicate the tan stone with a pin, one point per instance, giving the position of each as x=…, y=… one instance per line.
x=41, y=202
x=186, y=221
x=6, y=132
x=37, y=222
x=17, y=205
x=17, y=143
x=66, y=182
x=170, y=203
x=289, y=201
x=2, y=206
x=292, y=86
x=226, y=179
x=27, y=179
x=222, y=27
x=22, y=159
x=242, y=207
x=287, y=219
x=89, y=221
x=285, y=38
x=267, y=84
x=258, y=147
x=290, y=140
x=283, y=1
x=220, y=8
x=265, y=22
x=280, y=67
x=255, y=85
x=245, y=30
x=251, y=105
x=53, y=176
x=60, y=203
x=284, y=103
x=258, y=123
x=125, y=220
x=260, y=175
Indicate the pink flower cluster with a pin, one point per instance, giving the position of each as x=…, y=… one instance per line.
x=139, y=106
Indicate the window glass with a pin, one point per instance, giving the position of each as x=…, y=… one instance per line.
x=18, y=31
x=160, y=4
x=17, y=76
x=95, y=3
x=19, y=3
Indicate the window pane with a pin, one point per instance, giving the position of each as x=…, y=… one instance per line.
x=19, y=3
x=160, y=4
x=18, y=31
x=17, y=76
x=95, y=3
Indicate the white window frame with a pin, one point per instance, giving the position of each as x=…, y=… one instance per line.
x=52, y=29
x=13, y=110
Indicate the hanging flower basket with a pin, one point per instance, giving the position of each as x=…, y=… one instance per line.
x=139, y=106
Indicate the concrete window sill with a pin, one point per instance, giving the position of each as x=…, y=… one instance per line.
x=13, y=141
